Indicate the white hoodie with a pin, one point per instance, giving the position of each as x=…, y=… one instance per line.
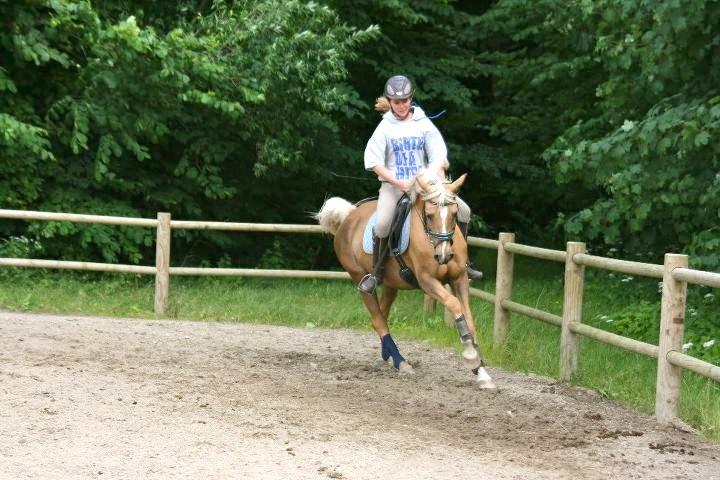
x=406, y=147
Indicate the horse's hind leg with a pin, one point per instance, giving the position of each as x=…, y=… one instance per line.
x=388, y=297
x=379, y=312
x=387, y=345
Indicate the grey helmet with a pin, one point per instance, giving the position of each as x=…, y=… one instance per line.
x=399, y=87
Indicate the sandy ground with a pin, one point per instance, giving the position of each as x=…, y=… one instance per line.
x=114, y=398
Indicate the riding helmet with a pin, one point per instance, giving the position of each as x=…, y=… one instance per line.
x=399, y=87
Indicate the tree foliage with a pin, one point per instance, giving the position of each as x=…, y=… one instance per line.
x=649, y=146
x=593, y=120
x=120, y=118
x=621, y=99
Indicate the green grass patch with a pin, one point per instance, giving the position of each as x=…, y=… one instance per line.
x=532, y=346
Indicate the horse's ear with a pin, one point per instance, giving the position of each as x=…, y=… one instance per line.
x=454, y=186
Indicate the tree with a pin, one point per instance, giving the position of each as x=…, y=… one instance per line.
x=648, y=149
x=117, y=118
x=617, y=100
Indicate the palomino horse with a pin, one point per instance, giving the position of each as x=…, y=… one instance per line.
x=437, y=254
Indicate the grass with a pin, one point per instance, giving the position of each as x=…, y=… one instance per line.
x=532, y=346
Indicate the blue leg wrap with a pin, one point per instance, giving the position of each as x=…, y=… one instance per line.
x=389, y=349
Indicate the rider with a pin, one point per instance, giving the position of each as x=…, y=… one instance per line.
x=404, y=142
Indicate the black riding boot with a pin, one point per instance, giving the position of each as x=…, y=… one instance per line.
x=473, y=273
x=372, y=280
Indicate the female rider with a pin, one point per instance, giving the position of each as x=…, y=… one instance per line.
x=404, y=142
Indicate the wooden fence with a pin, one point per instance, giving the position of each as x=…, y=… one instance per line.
x=674, y=274
x=162, y=269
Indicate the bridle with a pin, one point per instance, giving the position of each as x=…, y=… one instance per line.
x=447, y=198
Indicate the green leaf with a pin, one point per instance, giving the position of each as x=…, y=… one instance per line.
x=702, y=138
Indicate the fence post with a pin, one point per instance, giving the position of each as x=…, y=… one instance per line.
x=503, y=289
x=572, y=311
x=162, y=263
x=672, y=325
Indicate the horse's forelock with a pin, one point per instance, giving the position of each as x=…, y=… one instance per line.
x=431, y=179
x=437, y=188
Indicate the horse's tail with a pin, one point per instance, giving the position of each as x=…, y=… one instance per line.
x=333, y=213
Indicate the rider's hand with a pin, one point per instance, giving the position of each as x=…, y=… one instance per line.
x=403, y=185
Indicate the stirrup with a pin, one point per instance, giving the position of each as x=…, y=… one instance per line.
x=368, y=284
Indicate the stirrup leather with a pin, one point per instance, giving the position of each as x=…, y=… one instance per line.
x=370, y=281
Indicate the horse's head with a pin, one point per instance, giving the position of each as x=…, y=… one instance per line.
x=439, y=212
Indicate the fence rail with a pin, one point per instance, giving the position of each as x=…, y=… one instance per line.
x=69, y=265
x=78, y=218
x=621, y=266
x=257, y=272
x=675, y=276
x=697, y=277
x=541, y=253
x=246, y=227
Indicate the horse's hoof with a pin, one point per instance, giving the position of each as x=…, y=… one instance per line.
x=471, y=358
x=486, y=384
x=380, y=363
x=405, y=368
x=484, y=380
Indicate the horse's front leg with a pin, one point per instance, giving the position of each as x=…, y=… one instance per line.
x=435, y=289
x=389, y=295
x=461, y=289
x=458, y=307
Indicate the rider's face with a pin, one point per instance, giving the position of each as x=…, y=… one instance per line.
x=401, y=107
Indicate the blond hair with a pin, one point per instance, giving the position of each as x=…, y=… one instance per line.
x=382, y=104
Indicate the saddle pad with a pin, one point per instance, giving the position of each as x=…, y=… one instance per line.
x=368, y=235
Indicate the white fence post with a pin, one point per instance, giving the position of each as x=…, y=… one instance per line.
x=162, y=263
x=503, y=289
x=572, y=311
x=672, y=326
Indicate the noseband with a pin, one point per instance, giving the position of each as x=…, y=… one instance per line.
x=447, y=199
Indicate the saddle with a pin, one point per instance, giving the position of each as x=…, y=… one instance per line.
x=399, y=237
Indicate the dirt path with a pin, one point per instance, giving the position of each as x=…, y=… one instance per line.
x=114, y=398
